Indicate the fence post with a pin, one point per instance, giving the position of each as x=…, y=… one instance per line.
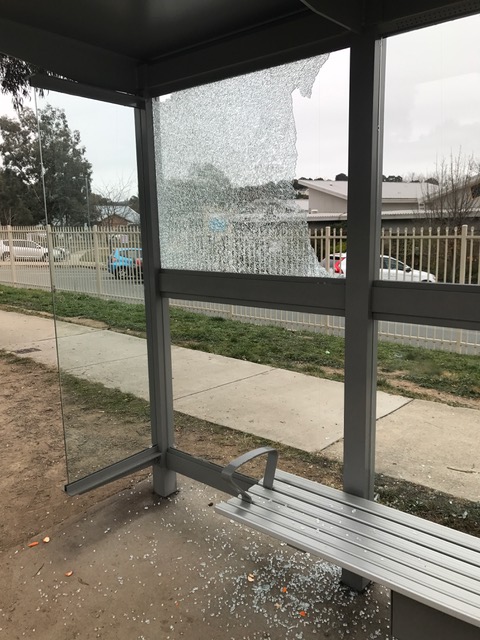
x=461, y=277
x=463, y=253
x=13, y=269
x=96, y=253
x=326, y=248
x=51, y=257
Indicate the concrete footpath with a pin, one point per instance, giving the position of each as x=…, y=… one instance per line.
x=425, y=442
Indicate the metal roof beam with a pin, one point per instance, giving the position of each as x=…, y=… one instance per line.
x=346, y=13
x=53, y=83
x=69, y=58
x=396, y=17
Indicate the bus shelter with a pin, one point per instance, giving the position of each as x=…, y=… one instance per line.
x=211, y=90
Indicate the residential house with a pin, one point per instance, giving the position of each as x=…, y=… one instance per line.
x=117, y=215
x=402, y=203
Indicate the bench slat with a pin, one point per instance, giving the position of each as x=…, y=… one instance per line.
x=377, y=556
x=372, y=535
x=407, y=581
x=387, y=513
x=308, y=502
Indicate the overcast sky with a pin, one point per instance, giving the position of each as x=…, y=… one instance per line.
x=432, y=108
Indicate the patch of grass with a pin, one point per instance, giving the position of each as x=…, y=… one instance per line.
x=113, y=401
x=452, y=373
x=305, y=352
x=436, y=506
x=293, y=350
x=116, y=315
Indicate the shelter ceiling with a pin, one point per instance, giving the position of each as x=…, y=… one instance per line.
x=156, y=46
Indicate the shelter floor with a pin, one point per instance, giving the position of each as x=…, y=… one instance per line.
x=147, y=568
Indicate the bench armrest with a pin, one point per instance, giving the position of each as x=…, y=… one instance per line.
x=270, y=468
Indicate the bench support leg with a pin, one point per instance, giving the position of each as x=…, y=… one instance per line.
x=354, y=581
x=412, y=620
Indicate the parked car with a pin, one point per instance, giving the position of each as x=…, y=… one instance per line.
x=28, y=250
x=329, y=264
x=390, y=269
x=125, y=263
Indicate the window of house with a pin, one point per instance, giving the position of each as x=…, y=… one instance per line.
x=475, y=190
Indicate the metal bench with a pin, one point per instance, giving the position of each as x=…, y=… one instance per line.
x=432, y=571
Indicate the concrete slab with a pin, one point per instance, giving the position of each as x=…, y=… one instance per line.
x=98, y=347
x=17, y=330
x=196, y=371
x=120, y=361
x=150, y=569
x=431, y=444
x=291, y=408
x=130, y=375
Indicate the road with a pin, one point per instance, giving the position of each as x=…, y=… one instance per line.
x=81, y=279
x=68, y=277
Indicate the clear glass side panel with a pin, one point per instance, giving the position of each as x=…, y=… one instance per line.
x=431, y=166
x=95, y=258
x=246, y=377
x=427, y=446
x=227, y=155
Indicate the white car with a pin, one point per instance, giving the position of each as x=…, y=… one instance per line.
x=28, y=250
x=390, y=269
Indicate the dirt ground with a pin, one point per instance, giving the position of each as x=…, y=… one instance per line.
x=38, y=600
x=33, y=461
x=32, y=456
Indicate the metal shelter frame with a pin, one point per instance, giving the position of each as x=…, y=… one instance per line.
x=128, y=53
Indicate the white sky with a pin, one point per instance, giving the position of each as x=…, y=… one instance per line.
x=432, y=108
x=432, y=103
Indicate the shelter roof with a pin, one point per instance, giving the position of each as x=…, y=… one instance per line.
x=156, y=46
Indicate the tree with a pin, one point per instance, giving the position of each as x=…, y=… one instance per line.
x=342, y=177
x=109, y=200
x=14, y=78
x=66, y=171
x=392, y=179
x=14, y=200
x=449, y=194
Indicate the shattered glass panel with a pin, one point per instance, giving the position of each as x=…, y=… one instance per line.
x=226, y=156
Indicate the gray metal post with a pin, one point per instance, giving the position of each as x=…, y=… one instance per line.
x=367, y=73
x=156, y=307
x=51, y=257
x=13, y=269
x=96, y=255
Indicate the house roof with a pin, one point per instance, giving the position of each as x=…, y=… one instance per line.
x=406, y=214
x=154, y=47
x=123, y=211
x=401, y=192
